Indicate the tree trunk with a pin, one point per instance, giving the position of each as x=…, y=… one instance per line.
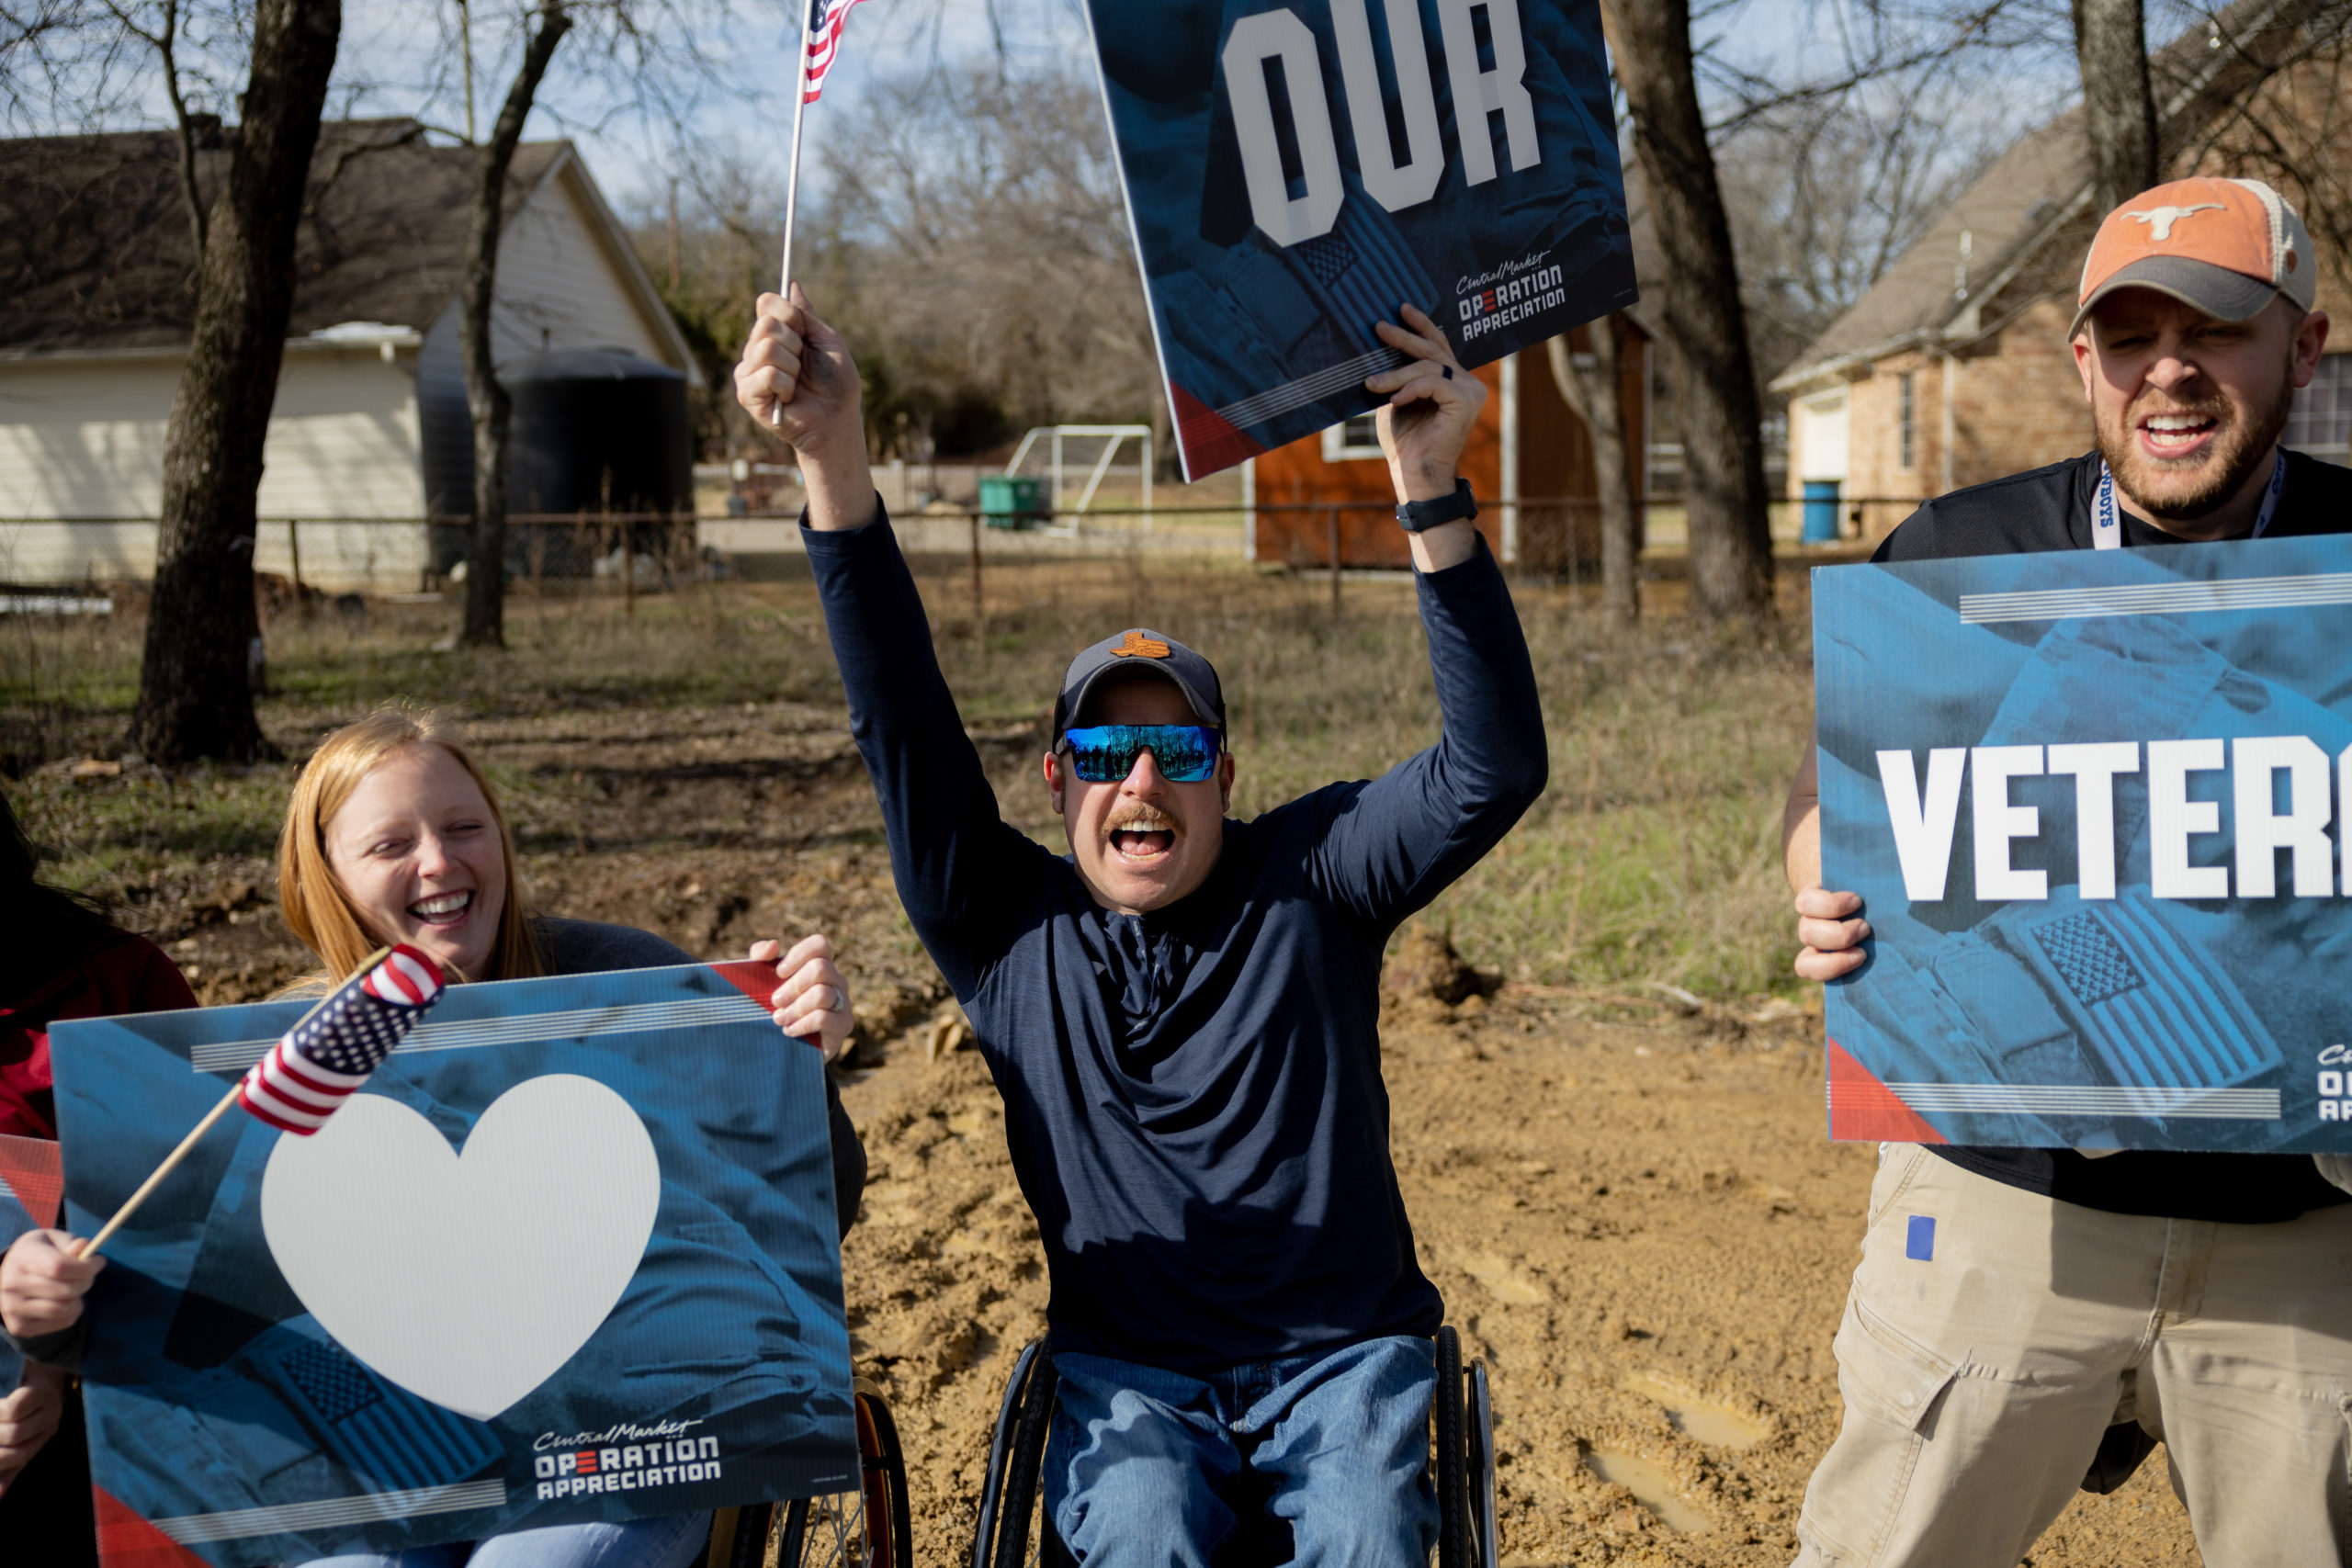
x=195, y=692
x=1704, y=325
x=1598, y=401
x=485, y=399
x=2118, y=107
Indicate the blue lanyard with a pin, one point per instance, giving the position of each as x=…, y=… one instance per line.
x=2106, y=522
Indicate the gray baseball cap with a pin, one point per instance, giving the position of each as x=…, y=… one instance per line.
x=1139, y=650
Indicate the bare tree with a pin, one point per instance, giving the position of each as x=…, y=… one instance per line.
x=2118, y=107
x=1705, y=322
x=1598, y=398
x=486, y=400
x=2295, y=131
x=1825, y=194
x=195, y=696
x=976, y=238
x=635, y=57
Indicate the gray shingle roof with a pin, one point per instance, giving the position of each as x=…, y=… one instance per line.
x=2028, y=220
x=95, y=253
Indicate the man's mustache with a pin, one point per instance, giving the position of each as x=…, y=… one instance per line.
x=1143, y=818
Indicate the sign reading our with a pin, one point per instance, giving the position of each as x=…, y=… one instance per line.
x=1296, y=172
x=1279, y=38
x=2096, y=804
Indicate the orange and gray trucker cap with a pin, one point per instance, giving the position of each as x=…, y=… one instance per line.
x=2225, y=247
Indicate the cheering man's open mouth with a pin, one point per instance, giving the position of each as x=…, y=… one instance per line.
x=1142, y=836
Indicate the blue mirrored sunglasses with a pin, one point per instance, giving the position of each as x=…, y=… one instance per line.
x=1105, y=753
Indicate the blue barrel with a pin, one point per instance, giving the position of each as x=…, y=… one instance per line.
x=1821, y=510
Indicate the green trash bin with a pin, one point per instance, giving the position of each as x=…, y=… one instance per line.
x=1012, y=501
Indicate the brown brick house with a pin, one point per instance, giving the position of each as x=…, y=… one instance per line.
x=1954, y=369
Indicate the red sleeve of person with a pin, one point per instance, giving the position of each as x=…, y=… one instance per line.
x=113, y=973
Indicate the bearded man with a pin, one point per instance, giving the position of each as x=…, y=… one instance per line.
x=1182, y=1014
x=2070, y=1307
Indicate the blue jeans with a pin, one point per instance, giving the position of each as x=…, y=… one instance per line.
x=668, y=1542
x=1141, y=1462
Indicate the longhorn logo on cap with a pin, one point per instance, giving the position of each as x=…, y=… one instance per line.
x=2160, y=219
x=1139, y=645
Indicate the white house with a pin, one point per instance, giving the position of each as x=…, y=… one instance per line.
x=370, y=434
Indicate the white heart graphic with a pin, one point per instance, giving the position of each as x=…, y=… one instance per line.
x=468, y=1280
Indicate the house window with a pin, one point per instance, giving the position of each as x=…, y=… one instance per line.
x=2321, y=420
x=1352, y=439
x=1903, y=385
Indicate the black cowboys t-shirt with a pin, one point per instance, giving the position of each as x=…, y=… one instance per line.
x=2050, y=509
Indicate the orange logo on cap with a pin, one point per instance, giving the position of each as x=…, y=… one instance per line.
x=1139, y=645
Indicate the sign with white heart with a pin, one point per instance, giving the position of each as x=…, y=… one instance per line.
x=468, y=1279
x=571, y=1256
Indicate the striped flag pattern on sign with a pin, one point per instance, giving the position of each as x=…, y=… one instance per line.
x=824, y=41
x=2157, y=1018
x=330, y=1053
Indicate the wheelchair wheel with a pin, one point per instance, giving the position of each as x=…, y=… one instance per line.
x=1483, y=1538
x=870, y=1528
x=1007, y=1534
x=1450, y=1468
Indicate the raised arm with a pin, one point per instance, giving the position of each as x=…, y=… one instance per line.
x=1393, y=845
x=960, y=868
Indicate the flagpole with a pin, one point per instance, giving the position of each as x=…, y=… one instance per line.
x=172, y=1160
x=131, y=1204
x=792, y=178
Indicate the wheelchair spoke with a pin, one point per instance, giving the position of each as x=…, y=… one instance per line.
x=832, y=1533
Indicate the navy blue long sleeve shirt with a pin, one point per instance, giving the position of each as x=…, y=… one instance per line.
x=1192, y=1096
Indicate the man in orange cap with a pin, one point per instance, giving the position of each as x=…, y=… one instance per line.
x=2062, y=1309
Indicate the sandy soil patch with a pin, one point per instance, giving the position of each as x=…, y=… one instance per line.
x=1641, y=1229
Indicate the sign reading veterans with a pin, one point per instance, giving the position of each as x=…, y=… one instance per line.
x=568, y=1255
x=1296, y=170
x=2095, y=802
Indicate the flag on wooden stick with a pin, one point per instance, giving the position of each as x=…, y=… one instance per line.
x=319, y=1062
x=330, y=1053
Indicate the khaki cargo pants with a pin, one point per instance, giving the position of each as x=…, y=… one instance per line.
x=1993, y=1334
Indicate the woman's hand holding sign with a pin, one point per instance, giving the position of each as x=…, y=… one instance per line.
x=43, y=1281
x=29, y=1418
x=813, y=1003
x=41, y=1286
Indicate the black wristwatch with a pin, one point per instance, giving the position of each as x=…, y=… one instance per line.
x=1459, y=507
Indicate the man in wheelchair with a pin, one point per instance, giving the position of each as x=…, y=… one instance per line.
x=1182, y=1014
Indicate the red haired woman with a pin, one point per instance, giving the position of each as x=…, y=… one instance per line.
x=394, y=835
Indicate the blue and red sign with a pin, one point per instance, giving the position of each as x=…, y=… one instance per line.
x=2094, y=804
x=568, y=1255
x=1296, y=170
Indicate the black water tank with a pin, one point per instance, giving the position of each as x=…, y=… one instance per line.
x=597, y=429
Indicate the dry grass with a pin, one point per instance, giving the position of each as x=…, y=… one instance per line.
x=1651, y=857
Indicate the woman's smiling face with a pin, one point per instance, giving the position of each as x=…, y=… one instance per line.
x=418, y=851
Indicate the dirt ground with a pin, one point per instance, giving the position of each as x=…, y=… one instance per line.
x=1627, y=1201
x=1638, y=1226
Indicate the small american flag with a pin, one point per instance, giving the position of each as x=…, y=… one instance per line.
x=824, y=43
x=330, y=1053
